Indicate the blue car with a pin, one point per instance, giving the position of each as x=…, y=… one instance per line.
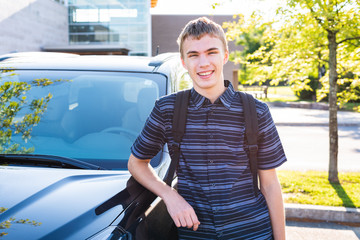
x=65, y=141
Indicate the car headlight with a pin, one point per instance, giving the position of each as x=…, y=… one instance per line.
x=112, y=233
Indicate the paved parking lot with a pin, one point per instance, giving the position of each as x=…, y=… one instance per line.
x=305, y=136
x=320, y=231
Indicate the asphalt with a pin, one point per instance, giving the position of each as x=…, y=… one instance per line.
x=315, y=114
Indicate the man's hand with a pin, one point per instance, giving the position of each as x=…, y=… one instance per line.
x=180, y=211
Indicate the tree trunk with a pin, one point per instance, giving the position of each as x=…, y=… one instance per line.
x=333, y=124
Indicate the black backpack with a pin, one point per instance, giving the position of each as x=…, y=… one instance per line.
x=251, y=132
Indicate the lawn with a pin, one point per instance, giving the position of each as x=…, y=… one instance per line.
x=281, y=94
x=313, y=187
x=281, y=90
x=285, y=94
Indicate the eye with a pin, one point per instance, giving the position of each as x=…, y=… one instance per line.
x=213, y=52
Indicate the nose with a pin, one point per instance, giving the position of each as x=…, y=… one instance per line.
x=203, y=61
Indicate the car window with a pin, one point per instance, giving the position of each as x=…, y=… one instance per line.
x=91, y=116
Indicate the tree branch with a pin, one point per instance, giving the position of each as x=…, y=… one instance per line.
x=316, y=18
x=348, y=39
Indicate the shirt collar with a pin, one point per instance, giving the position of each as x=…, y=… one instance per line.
x=226, y=98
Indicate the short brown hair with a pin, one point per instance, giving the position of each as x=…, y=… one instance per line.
x=198, y=28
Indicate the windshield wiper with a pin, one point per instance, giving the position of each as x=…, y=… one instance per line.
x=46, y=161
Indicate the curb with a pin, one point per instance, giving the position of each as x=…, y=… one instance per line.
x=303, y=212
x=313, y=124
x=302, y=104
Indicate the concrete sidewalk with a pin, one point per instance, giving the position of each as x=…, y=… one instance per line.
x=301, y=114
x=307, y=114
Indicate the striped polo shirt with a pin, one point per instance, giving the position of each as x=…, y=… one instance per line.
x=214, y=173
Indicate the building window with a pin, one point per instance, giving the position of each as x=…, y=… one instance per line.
x=123, y=23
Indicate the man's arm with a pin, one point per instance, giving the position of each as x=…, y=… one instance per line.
x=271, y=189
x=180, y=210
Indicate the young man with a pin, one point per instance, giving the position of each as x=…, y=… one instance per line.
x=215, y=197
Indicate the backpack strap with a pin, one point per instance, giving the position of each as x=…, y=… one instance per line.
x=178, y=130
x=251, y=131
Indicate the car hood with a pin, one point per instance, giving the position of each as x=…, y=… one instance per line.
x=61, y=202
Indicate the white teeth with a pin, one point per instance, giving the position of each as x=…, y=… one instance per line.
x=205, y=73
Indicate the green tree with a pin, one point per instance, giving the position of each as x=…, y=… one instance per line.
x=341, y=22
x=7, y=224
x=249, y=35
x=14, y=99
x=309, y=35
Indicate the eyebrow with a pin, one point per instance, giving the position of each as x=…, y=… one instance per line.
x=208, y=50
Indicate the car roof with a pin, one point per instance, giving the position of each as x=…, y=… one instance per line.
x=68, y=61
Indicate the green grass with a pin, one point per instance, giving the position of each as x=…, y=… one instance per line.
x=281, y=90
x=281, y=94
x=285, y=94
x=351, y=107
x=312, y=187
x=281, y=99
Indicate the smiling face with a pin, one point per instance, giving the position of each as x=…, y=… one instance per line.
x=204, y=59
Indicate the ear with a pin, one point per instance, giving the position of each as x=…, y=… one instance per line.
x=226, y=56
x=183, y=63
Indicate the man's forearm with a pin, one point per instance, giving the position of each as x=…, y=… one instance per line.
x=142, y=171
x=180, y=211
x=271, y=189
x=277, y=215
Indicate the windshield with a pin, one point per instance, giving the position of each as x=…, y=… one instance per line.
x=91, y=116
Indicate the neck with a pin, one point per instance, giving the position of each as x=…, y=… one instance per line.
x=213, y=93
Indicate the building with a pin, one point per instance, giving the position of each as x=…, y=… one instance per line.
x=94, y=27
x=109, y=27
x=28, y=25
x=78, y=26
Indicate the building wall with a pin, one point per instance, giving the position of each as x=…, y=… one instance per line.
x=166, y=29
x=29, y=25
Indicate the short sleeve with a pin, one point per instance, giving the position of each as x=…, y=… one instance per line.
x=152, y=137
x=271, y=153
